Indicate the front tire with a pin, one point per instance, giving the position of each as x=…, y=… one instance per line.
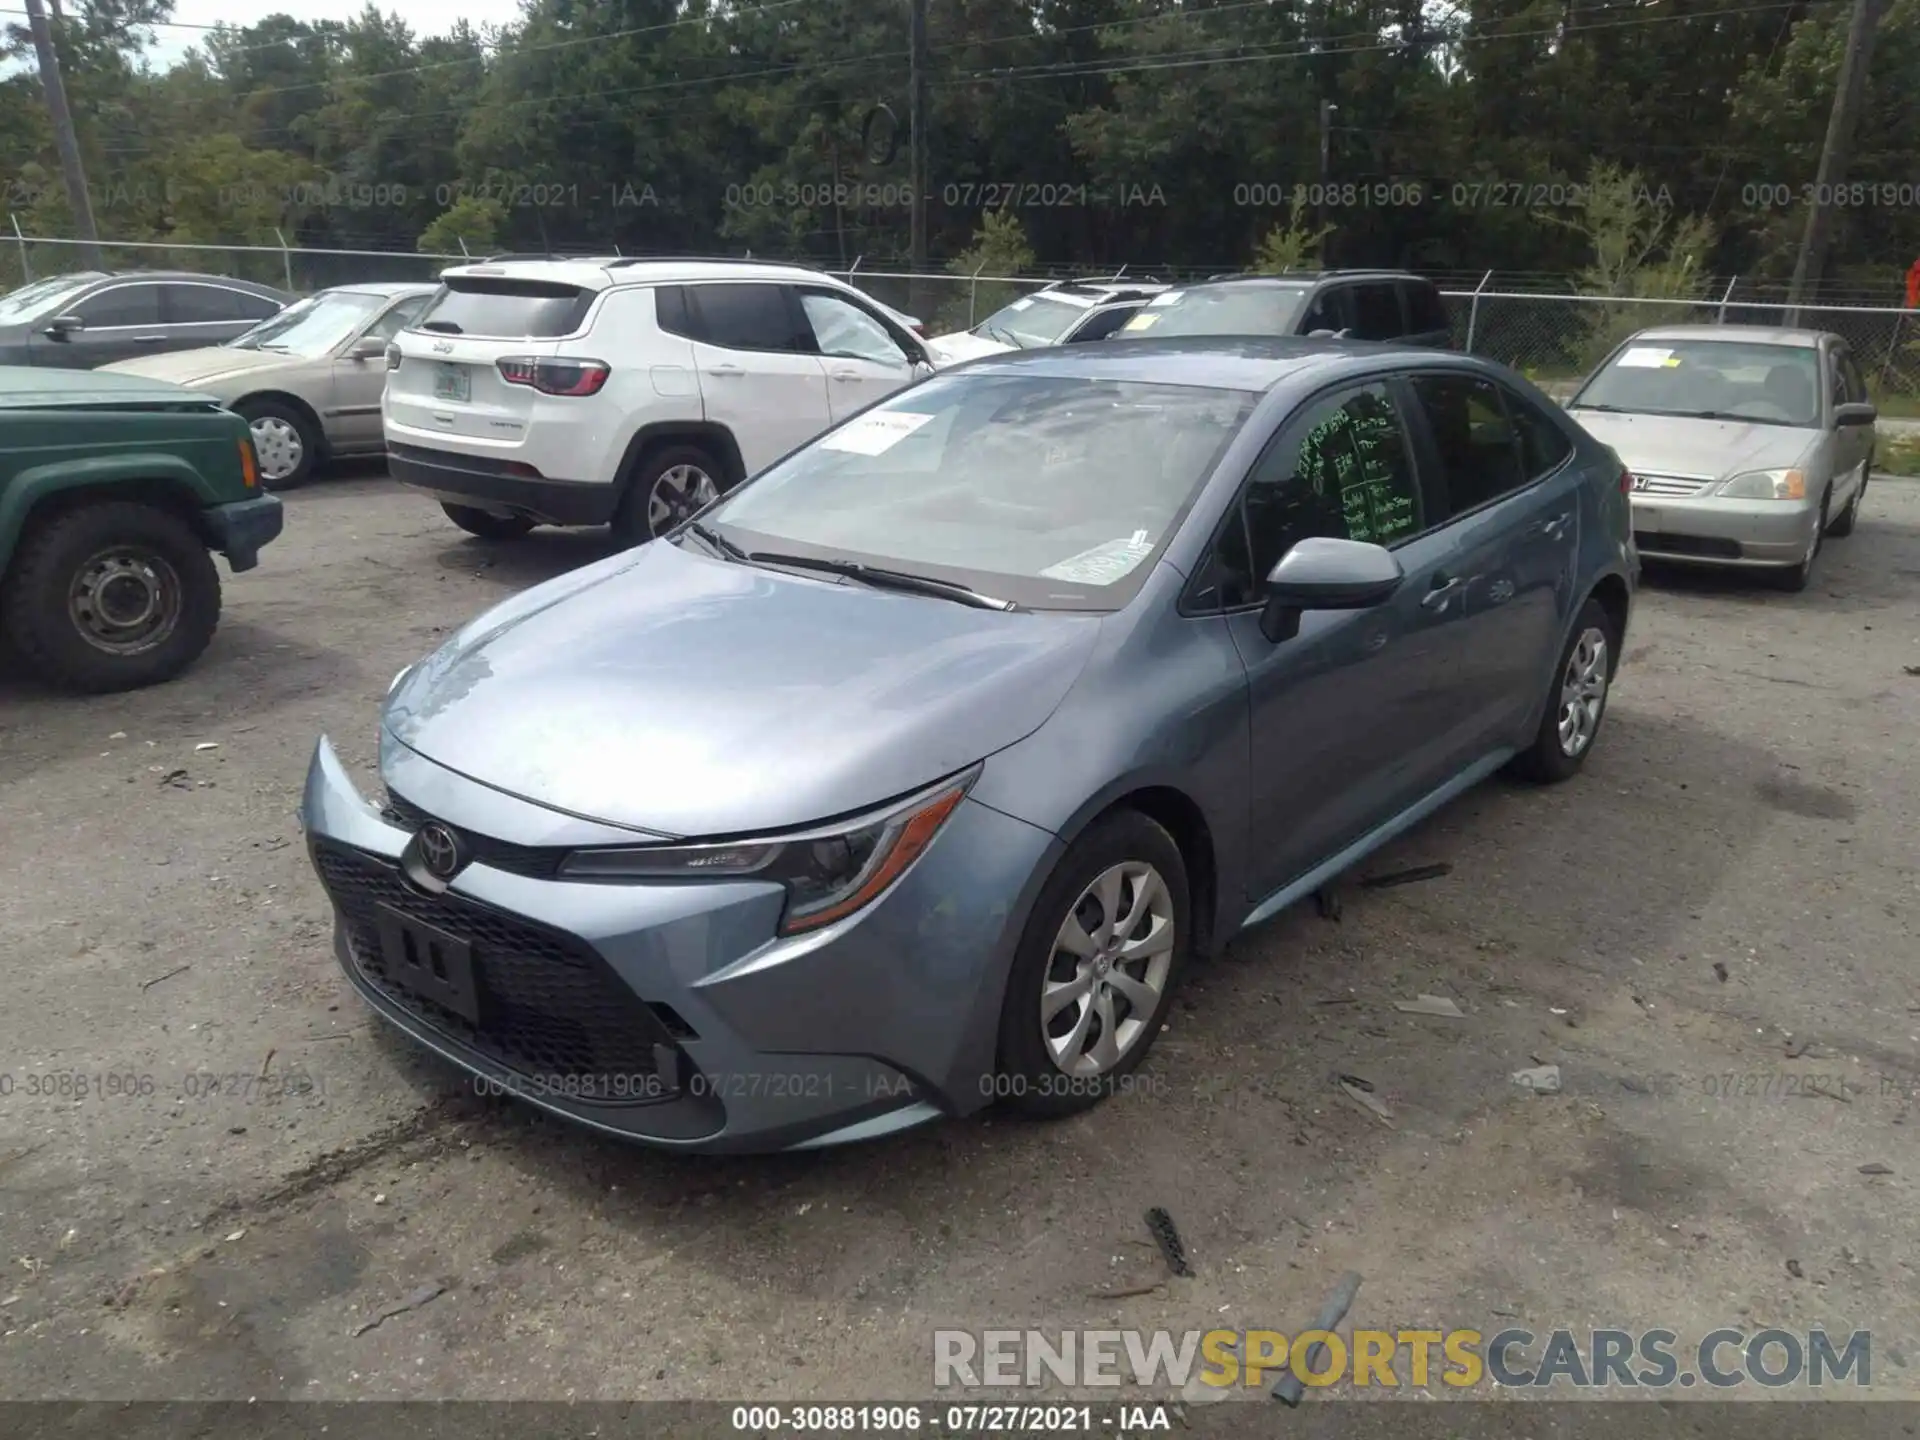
x=1798, y=577
x=285, y=443
x=1095, y=970
x=1844, y=523
x=486, y=524
x=668, y=487
x=113, y=596
x=1576, y=700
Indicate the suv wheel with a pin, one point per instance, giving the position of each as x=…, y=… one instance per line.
x=486, y=524
x=112, y=597
x=669, y=486
x=284, y=441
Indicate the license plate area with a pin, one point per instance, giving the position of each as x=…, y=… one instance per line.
x=452, y=382
x=427, y=962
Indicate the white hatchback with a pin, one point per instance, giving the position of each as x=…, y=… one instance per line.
x=625, y=391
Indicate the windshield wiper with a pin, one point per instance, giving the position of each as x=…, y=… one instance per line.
x=719, y=544
x=994, y=332
x=886, y=579
x=1610, y=409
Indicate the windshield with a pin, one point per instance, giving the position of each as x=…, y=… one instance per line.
x=1055, y=493
x=42, y=297
x=1221, y=310
x=1031, y=320
x=1710, y=379
x=314, y=325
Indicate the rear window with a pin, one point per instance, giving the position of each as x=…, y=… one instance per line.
x=1221, y=310
x=506, y=309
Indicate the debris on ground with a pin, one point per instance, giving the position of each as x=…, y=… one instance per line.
x=1339, y=1000
x=1797, y=1048
x=1406, y=877
x=236, y=1235
x=177, y=970
x=1430, y=1005
x=1541, y=1079
x=1289, y=1387
x=1127, y=1292
x=1793, y=1269
x=1911, y=669
x=208, y=745
x=413, y=1301
x=1720, y=972
x=1160, y=1226
x=178, y=779
x=1361, y=1093
x=1876, y=1168
x=1326, y=900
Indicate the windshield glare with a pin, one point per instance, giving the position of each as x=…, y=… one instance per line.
x=1031, y=320
x=1055, y=493
x=1767, y=384
x=1227, y=310
x=312, y=326
x=42, y=297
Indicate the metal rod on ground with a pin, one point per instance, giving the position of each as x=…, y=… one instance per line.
x=1473, y=310
x=64, y=139
x=1835, y=153
x=1289, y=1387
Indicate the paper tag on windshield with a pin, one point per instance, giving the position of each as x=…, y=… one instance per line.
x=1142, y=321
x=1642, y=358
x=1020, y=304
x=1165, y=297
x=1103, y=564
x=874, y=434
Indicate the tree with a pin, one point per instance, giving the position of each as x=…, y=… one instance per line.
x=472, y=224
x=999, y=248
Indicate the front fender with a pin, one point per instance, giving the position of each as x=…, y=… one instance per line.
x=39, y=483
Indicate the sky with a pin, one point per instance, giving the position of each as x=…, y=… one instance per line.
x=427, y=17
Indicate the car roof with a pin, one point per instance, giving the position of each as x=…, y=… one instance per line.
x=199, y=275
x=1304, y=277
x=601, y=272
x=1751, y=334
x=1255, y=363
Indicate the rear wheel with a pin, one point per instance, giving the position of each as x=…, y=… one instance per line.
x=1577, y=701
x=112, y=596
x=1096, y=968
x=669, y=486
x=284, y=441
x=486, y=524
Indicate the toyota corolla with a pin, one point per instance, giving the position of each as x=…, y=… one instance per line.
x=910, y=775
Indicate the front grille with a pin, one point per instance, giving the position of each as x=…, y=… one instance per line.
x=1707, y=547
x=1668, y=485
x=550, y=1008
x=540, y=862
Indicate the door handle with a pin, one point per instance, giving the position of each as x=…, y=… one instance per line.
x=845, y=374
x=727, y=370
x=1556, y=528
x=1441, y=592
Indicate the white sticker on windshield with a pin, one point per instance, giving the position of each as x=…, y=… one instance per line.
x=874, y=434
x=1142, y=321
x=1103, y=564
x=1165, y=297
x=1642, y=358
x=1020, y=304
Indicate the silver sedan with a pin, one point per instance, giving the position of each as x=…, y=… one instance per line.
x=1748, y=446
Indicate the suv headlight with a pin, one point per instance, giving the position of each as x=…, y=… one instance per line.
x=829, y=873
x=1766, y=485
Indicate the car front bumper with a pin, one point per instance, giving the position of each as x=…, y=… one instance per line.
x=696, y=1027
x=1712, y=531
x=241, y=529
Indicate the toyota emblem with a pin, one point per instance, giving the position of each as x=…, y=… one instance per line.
x=439, y=851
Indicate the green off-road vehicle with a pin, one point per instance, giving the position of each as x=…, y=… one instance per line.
x=113, y=489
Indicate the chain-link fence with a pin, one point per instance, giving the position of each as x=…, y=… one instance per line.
x=1556, y=339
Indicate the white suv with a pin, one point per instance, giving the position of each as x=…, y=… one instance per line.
x=622, y=391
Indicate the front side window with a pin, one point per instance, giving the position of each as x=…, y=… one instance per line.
x=1478, y=448
x=1748, y=380
x=1341, y=469
x=1855, y=381
x=1053, y=492
x=843, y=329
x=121, y=305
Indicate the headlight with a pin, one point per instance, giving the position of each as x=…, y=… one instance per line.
x=828, y=873
x=1766, y=485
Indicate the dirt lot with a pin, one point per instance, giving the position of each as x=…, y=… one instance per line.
x=1711, y=932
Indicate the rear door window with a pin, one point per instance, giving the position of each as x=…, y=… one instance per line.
x=1426, y=311
x=1376, y=312
x=1479, y=449
x=1331, y=309
x=748, y=317
x=503, y=308
x=191, y=304
x=1103, y=322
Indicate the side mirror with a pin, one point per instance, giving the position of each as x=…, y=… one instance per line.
x=368, y=347
x=1321, y=573
x=1856, y=413
x=62, y=326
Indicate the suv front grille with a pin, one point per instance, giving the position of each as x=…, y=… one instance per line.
x=538, y=862
x=550, y=1008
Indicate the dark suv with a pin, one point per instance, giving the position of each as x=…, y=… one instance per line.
x=75, y=322
x=1348, y=304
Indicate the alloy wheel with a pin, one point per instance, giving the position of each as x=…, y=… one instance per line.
x=1108, y=969
x=679, y=492
x=1583, y=691
x=125, y=600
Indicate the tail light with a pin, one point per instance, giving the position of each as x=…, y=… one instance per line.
x=554, y=377
x=1626, y=481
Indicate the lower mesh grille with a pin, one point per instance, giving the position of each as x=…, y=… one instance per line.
x=550, y=1009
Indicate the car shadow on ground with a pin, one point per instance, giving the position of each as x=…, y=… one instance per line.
x=1861, y=571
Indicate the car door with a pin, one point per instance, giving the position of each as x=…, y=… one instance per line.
x=1511, y=507
x=1343, y=715
x=864, y=361
x=195, y=313
x=1853, y=443
x=119, y=321
x=758, y=371
x=352, y=408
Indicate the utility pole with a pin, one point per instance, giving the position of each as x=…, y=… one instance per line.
x=63, y=136
x=917, y=128
x=1835, y=153
x=1327, y=111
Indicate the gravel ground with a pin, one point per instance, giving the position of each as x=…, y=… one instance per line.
x=1710, y=932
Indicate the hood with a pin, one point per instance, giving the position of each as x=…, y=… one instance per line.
x=1712, y=449
x=964, y=345
x=665, y=691
x=206, y=366
x=27, y=387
